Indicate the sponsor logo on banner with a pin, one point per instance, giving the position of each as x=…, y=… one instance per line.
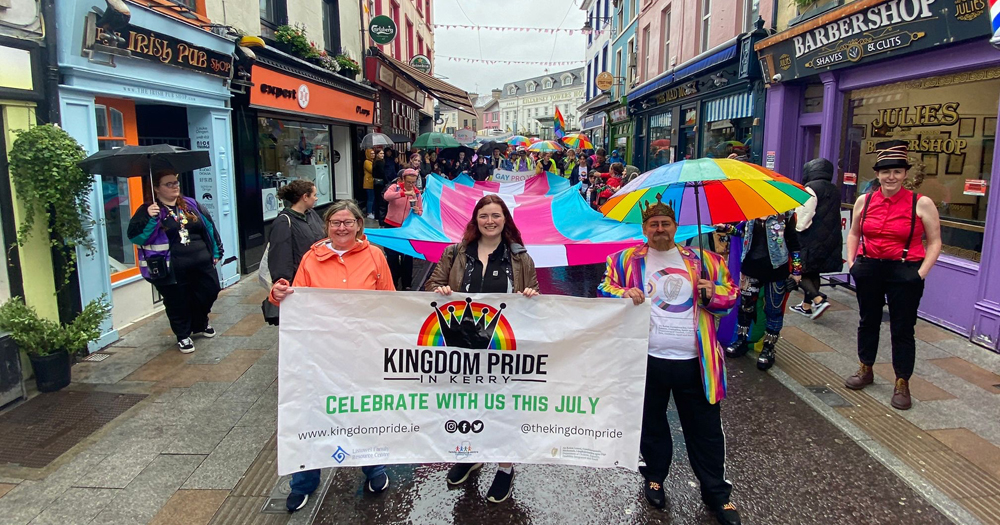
x=340, y=455
x=464, y=450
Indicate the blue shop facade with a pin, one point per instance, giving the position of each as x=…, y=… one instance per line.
x=164, y=81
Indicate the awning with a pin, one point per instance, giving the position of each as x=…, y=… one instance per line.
x=739, y=105
x=444, y=92
x=684, y=72
x=593, y=121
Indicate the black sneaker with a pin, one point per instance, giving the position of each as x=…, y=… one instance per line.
x=460, y=472
x=208, y=332
x=766, y=359
x=186, y=345
x=503, y=485
x=727, y=515
x=654, y=494
x=295, y=502
x=378, y=484
x=738, y=349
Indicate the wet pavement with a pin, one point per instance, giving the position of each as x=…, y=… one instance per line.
x=788, y=464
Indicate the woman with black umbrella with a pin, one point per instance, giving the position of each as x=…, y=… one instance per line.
x=179, y=246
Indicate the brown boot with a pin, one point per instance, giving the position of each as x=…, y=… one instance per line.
x=901, y=395
x=862, y=378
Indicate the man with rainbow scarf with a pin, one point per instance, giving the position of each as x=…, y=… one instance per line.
x=685, y=358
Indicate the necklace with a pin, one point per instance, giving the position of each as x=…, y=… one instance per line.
x=182, y=221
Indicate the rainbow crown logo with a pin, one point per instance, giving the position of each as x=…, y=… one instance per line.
x=465, y=324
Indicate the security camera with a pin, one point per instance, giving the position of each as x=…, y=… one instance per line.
x=776, y=78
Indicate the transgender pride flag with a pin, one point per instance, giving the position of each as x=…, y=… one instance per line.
x=558, y=226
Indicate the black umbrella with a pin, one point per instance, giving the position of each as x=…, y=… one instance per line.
x=141, y=161
x=486, y=150
x=452, y=153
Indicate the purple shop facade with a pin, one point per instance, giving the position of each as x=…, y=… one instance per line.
x=961, y=294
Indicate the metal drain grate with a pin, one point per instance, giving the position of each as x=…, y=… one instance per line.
x=42, y=429
x=96, y=358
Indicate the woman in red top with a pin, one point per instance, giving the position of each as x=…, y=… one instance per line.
x=889, y=259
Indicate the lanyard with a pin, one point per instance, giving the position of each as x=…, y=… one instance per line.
x=182, y=222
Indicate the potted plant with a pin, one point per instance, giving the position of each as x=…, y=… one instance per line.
x=293, y=40
x=348, y=67
x=50, y=344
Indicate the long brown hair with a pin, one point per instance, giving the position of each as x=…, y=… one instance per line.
x=182, y=204
x=510, y=233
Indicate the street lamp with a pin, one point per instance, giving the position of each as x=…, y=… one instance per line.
x=588, y=29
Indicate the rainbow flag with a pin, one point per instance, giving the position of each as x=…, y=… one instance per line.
x=559, y=124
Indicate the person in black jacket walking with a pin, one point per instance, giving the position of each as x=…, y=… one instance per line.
x=294, y=230
x=818, y=224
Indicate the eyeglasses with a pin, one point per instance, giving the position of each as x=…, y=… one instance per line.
x=349, y=223
x=174, y=184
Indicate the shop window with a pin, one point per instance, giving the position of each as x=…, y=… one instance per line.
x=292, y=150
x=812, y=100
x=660, y=150
x=725, y=137
x=121, y=197
x=951, y=129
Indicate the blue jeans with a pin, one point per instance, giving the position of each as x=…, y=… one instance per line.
x=305, y=482
x=774, y=293
x=371, y=200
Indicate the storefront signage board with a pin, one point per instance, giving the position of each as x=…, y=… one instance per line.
x=382, y=29
x=878, y=32
x=619, y=114
x=605, y=80
x=279, y=91
x=151, y=45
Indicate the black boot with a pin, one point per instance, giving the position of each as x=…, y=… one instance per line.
x=740, y=346
x=766, y=359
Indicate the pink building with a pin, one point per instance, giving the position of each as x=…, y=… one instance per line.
x=414, y=23
x=673, y=32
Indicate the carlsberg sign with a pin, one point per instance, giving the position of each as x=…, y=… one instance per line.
x=382, y=29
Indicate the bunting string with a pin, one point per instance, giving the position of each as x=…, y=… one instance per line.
x=511, y=29
x=510, y=62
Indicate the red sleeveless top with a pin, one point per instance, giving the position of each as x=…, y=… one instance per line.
x=885, y=227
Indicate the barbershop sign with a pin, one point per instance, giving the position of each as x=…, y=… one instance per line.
x=855, y=34
x=151, y=45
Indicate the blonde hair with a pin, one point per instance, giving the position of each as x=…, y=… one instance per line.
x=350, y=206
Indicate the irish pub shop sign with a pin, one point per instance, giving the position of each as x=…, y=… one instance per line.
x=862, y=34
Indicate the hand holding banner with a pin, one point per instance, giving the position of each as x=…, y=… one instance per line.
x=368, y=378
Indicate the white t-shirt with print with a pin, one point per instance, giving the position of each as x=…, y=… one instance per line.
x=671, y=323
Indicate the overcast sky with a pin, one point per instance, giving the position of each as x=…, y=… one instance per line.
x=497, y=45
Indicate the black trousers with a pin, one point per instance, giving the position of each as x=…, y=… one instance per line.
x=876, y=281
x=401, y=268
x=810, y=286
x=701, y=423
x=189, y=300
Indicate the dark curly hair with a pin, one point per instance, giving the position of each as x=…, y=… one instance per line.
x=295, y=190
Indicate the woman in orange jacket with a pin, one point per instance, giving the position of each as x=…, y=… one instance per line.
x=346, y=261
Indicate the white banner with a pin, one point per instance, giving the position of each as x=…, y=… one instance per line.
x=511, y=176
x=369, y=378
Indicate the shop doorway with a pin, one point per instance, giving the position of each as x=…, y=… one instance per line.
x=808, y=146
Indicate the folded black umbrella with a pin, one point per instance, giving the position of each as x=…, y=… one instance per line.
x=143, y=161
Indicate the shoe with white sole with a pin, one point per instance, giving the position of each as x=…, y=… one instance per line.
x=186, y=345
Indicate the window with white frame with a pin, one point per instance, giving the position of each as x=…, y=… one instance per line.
x=511, y=90
x=706, y=18
x=619, y=63
x=620, y=16
x=631, y=61
x=567, y=80
x=531, y=87
x=646, y=73
x=665, y=37
x=633, y=9
x=750, y=14
x=548, y=84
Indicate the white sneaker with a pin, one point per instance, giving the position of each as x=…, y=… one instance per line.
x=371, y=216
x=186, y=345
x=817, y=309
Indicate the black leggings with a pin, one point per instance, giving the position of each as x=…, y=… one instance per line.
x=810, y=285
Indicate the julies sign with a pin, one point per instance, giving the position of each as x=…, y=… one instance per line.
x=880, y=31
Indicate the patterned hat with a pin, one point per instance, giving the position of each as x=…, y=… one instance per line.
x=892, y=154
x=653, y=210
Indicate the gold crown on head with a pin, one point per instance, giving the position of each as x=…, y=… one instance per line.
x=652, y=210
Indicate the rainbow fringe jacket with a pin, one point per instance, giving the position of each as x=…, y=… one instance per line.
x=627, y=269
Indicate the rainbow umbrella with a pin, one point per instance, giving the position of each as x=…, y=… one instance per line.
x=578, y=141
x=725, y=190
x=546, y=146
x=519, y=140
